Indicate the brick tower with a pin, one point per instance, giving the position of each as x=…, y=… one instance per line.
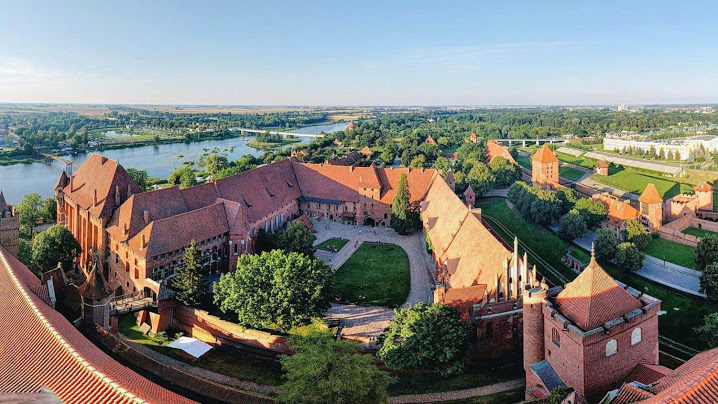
x=544, y=167
x=469, y=197
x=704, y=192
x=96, y=294
x=9, y=227
x=651, y=206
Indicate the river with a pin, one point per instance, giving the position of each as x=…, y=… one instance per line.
x=20, y=179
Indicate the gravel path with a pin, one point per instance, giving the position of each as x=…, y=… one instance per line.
x=460, y=394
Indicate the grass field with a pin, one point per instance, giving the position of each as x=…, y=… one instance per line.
x=570, y=173
x=683, y=313
x=376, y=274
x=524, y=161
x=678, y=254
x=220, y=360
x=635, y=182
x=333, y=244
x=470, y=378
x=579, y=161
x=698, y=232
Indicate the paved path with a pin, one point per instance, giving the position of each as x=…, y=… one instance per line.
x=587, y=181
x=460, y=394
x=367, y=322
x=500, y=192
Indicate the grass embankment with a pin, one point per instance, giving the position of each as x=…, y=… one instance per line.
x=635, y=182
x=470, y=378
x=220, y=360
x=333, y=244
x=675, y=253
x=683, y=313
x=700, y=233
x=376, y=274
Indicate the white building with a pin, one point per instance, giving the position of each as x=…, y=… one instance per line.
x=682, y=146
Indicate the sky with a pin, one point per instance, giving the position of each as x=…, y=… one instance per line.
x=359, y=52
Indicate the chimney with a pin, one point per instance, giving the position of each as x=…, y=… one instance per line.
x=117, y=195
x=144, y=240
x=95, y=203
x=72, y=183
x=146, y=215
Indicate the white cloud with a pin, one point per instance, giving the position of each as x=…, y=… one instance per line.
x=15, y=70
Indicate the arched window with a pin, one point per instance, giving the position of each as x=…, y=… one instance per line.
x=555, y=337
x=611, y=347
x=636, y=336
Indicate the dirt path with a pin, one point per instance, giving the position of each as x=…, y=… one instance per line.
x=459, y=394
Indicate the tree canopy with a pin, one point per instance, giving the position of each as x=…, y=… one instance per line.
x=628, y=257
x=593, y=211
x=297, y=238
x=189, y=282
x=606, y=245
x=404, y=219
x=707, y=251
x=709, y=281
x=29, y=211
x=636, y=233
x=54, y=245
x=572, y=226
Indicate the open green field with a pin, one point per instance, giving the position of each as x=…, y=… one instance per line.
x=683, y=313
x=579, y=161
x=224, y=361
x=376, y=274
x=333, y=244
x=570, y=173
x=524, y=161
x=698, y=232
x=675, y=253
x=635, y=182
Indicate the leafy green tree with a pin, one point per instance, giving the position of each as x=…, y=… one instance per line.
x=187, y=180
x=425, y=337
x=708, y=332
x=709, y=281
x=480, y=178
x=323, y=370
x=593, y=211
x=418, y=162
x=606, y=245
x=141, y=178
x=176, y=177
x=189, y=282
x=504, y=172
x=629, y=258
x=49, y=210
x=442, y=164
x=215, y=163
x=404, y=219
x=706, y=251
x=25, y=254
x=431, y=151
x=567, y=197
x=297, y=238
x=265, y=241
x=54, y=245
x=635, y=232
x=387, y=156
x=572, y=226
x=29, y=211
x=275, y=289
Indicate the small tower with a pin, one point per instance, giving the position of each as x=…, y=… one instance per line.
x=544, y=167
x=469, y=197
x=601, y=168
x=9, y=227
x=704, y=192
x=450, y=180
x=651, y=206
x=96, y=294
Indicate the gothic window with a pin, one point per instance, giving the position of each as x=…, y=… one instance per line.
x=636, y=336
x=611, y=347
x=235, y=249
x=555, y=337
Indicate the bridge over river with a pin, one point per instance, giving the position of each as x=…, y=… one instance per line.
x=537, y=141
x=274, y=132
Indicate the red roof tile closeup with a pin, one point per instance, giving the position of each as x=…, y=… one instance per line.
x=41, y=349
x=647, y=374
x=601, y=164
x=594, y=298
x=696, y=381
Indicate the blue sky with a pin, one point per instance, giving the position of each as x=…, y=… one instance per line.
x=359, y=52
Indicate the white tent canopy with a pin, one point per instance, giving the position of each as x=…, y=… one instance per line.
x=191, y=346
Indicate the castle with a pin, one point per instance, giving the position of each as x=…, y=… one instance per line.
x=9, y=226
x=544, y=167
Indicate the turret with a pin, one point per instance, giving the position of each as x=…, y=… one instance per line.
x=651, y=206
x=533, y=302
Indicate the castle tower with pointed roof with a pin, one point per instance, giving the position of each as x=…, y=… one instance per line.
x=9, y=226
x=651, y=206
x=593, y=323
x=470, y=197
x=544, y=167
x=704, y=192
x=96, y=294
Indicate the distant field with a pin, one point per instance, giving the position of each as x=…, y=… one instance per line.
x=698, y=232
x=634, y=182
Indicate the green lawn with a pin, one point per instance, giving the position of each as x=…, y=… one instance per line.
x=683, y=313
x=570, y=173
x=224, y=361
x=376, y=274
x=579, y=161
x=422, y=383
x=698, y=232
x=678, y=254
x=635, y=182
x=524, y=161
x=333, y=244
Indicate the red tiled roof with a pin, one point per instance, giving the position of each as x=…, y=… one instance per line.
x=629, y=393
x=93, y=185
x=647, y=374
x=704, y=187
x=601, y=164
x=495, y=150
x=594, y=298
x=61, y=182
x=430, y=140
x=3, y=204
x=366, y=151
x=650, y=195
x=41, y=349
x=470, y=294
x=469, y=191
x=618, y=210
x=696, y=381
x=305, y=221
x=95, y=286
x=544, y=155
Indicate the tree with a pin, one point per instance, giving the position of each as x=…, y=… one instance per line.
x=593, y=211
x=323, y=370
x=425, y=337
x=480, y=178
x=605, y=245
x=442, y=164
x=29, y=211
x=567, y=197
x=140, y=177
x=708, y=332
x=25, y=254
x=215, y=163
x=187, y=180
x=572, y=226
x=49, y=210
x=629, y=258
x=387, y=156
x=706, y=251
x=404, y=219
x=189, y=282
x=54, y=245
x=418, y=162
x=504, y=172
x=275, y=289
x=635, y=232
x=265, y=241
x=297, y=238
x=709, y=281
